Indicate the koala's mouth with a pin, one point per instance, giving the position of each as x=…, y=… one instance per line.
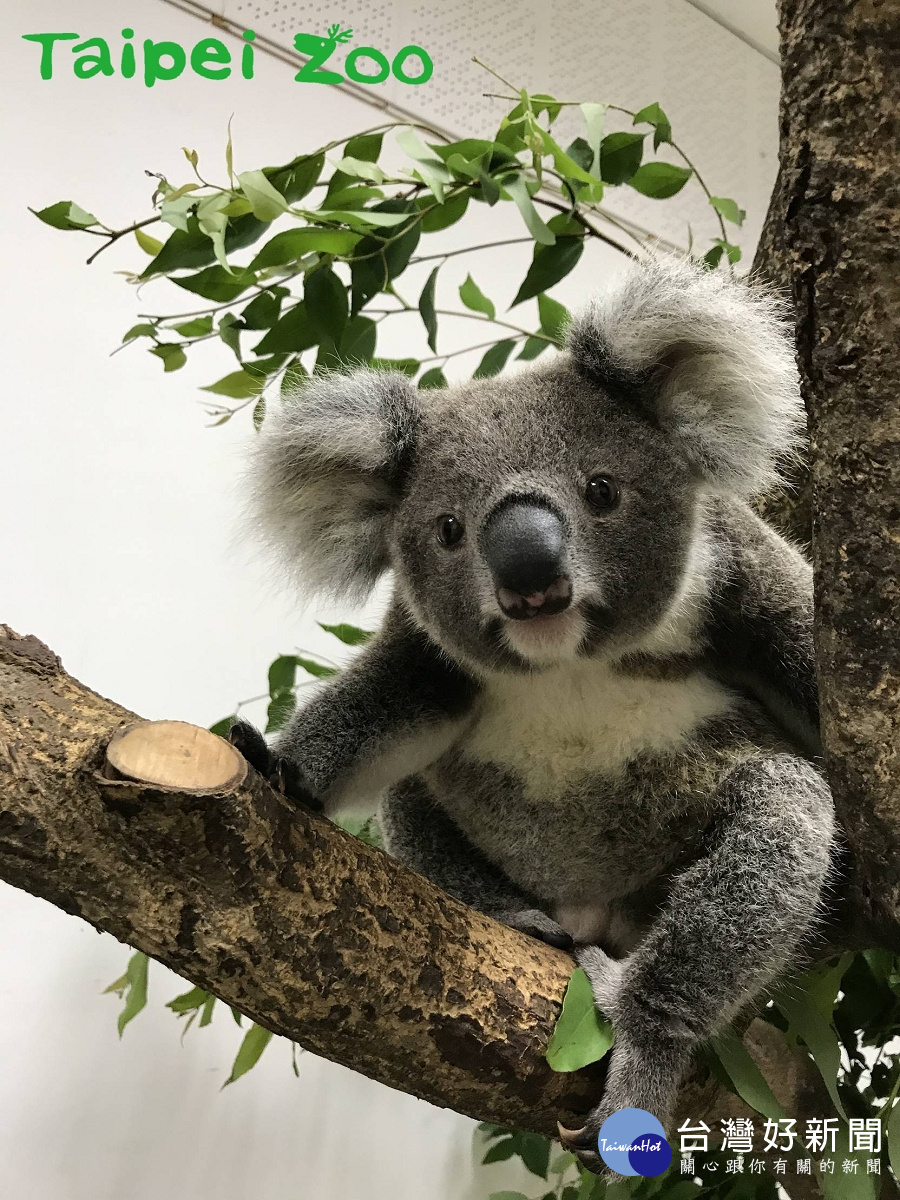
x=536, y=606
x=547, y=636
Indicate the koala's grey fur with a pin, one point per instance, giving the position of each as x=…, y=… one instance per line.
x=637, y=772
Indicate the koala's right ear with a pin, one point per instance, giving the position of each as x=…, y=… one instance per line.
x=327, y=474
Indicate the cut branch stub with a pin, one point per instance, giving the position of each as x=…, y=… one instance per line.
x=176, y=756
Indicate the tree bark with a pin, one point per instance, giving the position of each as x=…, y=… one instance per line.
x=840, y=161
x=310, y=932
x=307, y=930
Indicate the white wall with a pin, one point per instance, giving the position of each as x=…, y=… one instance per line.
x=119, y=508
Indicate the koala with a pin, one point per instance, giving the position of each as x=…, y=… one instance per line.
x=590, y=711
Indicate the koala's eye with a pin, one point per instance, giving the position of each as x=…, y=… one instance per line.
x=450, y=530
x=602, y=492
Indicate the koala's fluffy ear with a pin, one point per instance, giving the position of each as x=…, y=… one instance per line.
x=711, y=359
x=327, y=474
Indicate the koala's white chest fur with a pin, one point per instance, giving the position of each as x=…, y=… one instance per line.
x=553, y=727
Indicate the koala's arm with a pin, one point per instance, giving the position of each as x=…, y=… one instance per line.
x=393, y=711
x=761, y=627
x=419, y=833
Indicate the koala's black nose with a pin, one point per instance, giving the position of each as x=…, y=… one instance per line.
x=524, y=545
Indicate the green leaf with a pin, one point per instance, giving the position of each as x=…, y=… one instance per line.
x=229, y=329
x=540, y=231
x=327, y=303
x=593, y=118
x=292, y=333
x=442, y=216
x=377, y=217
x=426, y=309
x=564, y=163
x=65, y=215
x=255, y=1041
x=849, y=1185
x=532, y=348
x=259, y=413
x=733, y=252
x=620, y=156
x=217, y=284
x=474, y=298
x=150, y=245
x=659, y=179
x=534, y=1151
x=350, y=635
x=654, y=115
x=291, y=244
x=359, y=340
x=293, y=379
x=238, y=385
x=430, y=168
x=746, y=1076
x=173, y=356
x=264, y=310
x=195, y=328
x=298, y=178
x=433, y=378
x=806, y=1020
x=562, y=1162
x=549, y=265
x=555, y=318
x=366, y=146
x=500, y=1151
x=376, y=264
x=408, y=366
x=581, y=1035
x=279, y=711
x=362, y=170
x=223, y=727
x=494, y=359
x=728, y=209
x=206, y=1015
x=137, y=331
x=188, y=1001
x=266, y=201
x=134, y=985
x=507, y=1195
x=192, y=248
x=319, y=670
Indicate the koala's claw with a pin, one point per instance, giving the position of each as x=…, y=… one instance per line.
x=538, y=925
x=583, y=1144
x=282, y=775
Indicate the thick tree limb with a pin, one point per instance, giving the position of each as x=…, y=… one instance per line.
x=840, y=156
x=309, y=931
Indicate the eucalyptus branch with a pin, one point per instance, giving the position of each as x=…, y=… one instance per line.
x=115, y=234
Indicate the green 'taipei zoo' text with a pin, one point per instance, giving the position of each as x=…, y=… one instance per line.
x=210, y=58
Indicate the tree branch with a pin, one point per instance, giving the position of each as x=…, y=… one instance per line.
x=310, y=932
x=307, y=930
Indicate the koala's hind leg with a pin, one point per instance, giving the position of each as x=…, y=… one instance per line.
x=732, y=922
x=419, y=833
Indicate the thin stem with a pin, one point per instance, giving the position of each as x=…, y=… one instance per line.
x=466, y=350
x=119, y=233
x=471, y=249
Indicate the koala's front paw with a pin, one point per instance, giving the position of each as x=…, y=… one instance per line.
x=639, y=1076
x=282, y=775
x=538, y=925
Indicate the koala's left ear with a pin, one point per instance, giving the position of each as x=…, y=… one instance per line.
x=712, y=360
x=327, y=473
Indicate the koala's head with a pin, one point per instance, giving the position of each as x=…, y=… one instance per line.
x=547, y=514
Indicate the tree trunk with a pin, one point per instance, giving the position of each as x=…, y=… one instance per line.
x=840, y=163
